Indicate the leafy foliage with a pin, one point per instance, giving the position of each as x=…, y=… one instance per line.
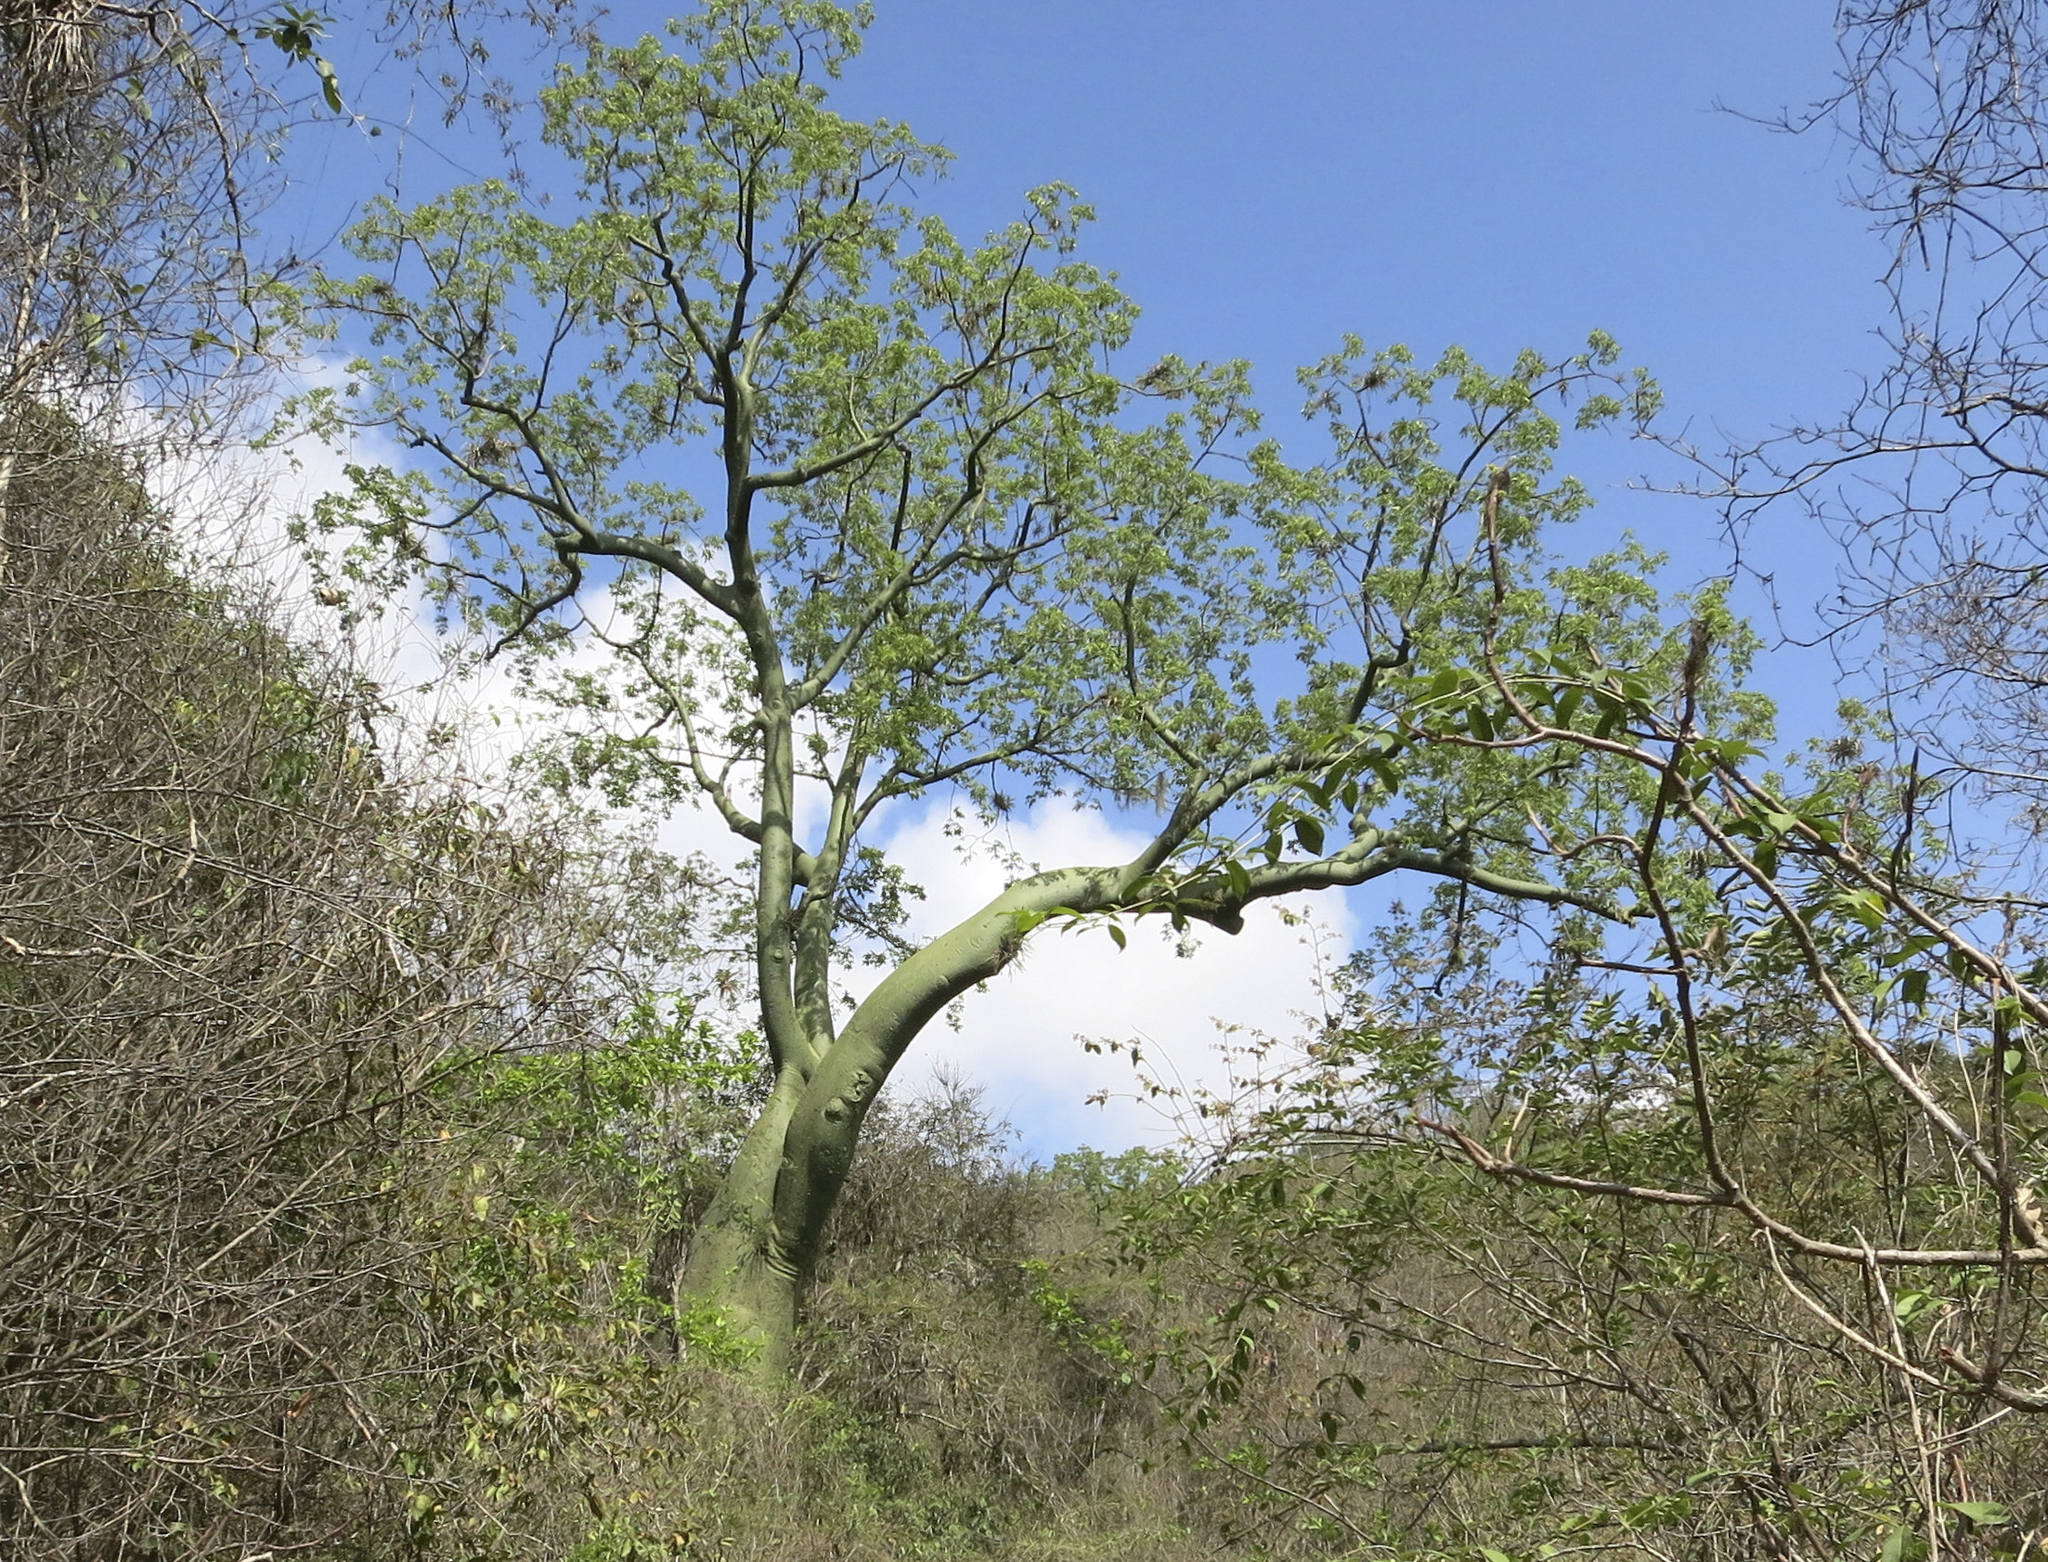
x=800, y=506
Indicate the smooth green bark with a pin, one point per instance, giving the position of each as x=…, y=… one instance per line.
x=763, y=1238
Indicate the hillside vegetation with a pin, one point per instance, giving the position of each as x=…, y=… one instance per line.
x=399, y=1164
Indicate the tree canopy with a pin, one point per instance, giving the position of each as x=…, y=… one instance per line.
x=858, y=510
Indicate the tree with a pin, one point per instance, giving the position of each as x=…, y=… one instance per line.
x=859, y=514
x=1932, y=479
x=241, y=956
x=242, y=953
x=127, y=146
x=1763, y=1252
x=129, y=139
x=143, y=144
x=1725, y=1235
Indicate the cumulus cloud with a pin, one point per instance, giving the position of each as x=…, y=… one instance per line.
x=1022, y=1037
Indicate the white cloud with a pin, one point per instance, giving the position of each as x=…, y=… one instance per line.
x=1021, y=1037
x=234, y=508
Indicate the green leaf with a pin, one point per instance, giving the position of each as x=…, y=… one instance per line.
x=1912, y=1304
x=1981, y=1513
x=1309, y=833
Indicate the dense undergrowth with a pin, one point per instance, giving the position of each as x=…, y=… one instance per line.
x=354, y=1129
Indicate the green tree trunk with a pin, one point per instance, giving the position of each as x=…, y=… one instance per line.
x=738, y=1265
x=758, y=1245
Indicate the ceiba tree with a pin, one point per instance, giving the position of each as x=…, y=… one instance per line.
x=858, y=513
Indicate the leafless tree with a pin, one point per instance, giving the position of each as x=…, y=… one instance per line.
x=1934, y=478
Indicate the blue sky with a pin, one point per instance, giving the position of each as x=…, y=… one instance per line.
x=1495, y=175
x=1271, y=175
x=1479, y=172
x=1486, y=173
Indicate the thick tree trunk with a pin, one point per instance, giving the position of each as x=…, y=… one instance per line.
x=761, y=1239
x=738, y=1263
x=759, y=1243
